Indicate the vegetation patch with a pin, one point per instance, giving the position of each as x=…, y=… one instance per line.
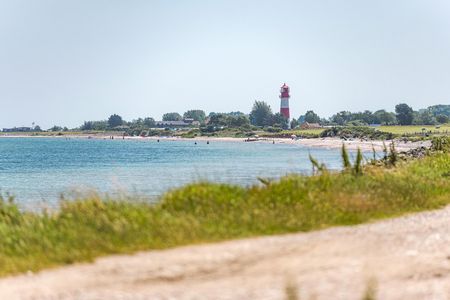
x=357, y=132
x=417, y=130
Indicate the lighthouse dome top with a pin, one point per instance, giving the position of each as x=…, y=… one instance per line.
x=284, y=90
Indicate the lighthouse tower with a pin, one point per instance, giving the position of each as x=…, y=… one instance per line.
x=284, y=105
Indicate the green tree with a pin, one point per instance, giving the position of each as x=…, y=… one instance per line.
x=442, y=119
x=56, y=128
x=368, y=117
x=312, y=117
x=94, y=125
x=172, y=116
x=236, y=113
x=294, y=123
x=86, y=126
x=404, y=114
x=261, y=114
x=385, y=118
x=233, y=119
x=238, y=120
x=114, y=121
x=137, y=122
x=440, y=110
x=149, y=122
x=424, y=117
x=279, y=120
x=196, y=114
x=342, y=118
x=218, y=119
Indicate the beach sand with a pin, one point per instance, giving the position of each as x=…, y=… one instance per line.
x=330, y=143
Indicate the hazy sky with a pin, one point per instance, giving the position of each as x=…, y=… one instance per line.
x=66, y=61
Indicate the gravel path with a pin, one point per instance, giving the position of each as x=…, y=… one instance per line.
x=406, y=258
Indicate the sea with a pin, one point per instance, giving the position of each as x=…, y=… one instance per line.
x=40, y=171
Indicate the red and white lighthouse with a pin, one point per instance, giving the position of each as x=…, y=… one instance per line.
x=284, y=105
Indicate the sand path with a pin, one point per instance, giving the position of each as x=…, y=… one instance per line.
x=407, y=257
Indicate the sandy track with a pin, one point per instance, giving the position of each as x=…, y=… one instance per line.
x=408, y=257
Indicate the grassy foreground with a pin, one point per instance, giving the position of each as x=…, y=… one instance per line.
x=83, y=229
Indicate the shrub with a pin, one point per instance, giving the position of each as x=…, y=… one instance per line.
x=441, y=144
x=357, y=132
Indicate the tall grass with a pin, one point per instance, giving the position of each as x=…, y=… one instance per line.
x=371, y=290
x=83, y=229
x=357, y=167
x=441, y=144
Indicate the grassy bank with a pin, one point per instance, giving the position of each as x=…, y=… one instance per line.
x=86, y=228
x=416, y=129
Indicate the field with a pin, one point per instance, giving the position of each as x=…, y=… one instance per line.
x=85, y=228
x=442, y=129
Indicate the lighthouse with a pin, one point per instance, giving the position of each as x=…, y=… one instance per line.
x=284, y=104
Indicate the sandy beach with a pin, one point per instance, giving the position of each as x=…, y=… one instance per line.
x=329, y=143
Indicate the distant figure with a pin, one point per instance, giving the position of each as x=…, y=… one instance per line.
x=158, y=141
x=195, y=143
x=273, y=142
x=207, y=142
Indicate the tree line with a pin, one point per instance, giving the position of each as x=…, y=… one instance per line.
x=262, y=116
x=403, y=115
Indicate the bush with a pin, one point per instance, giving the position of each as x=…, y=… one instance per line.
x=273, y=129
x=357, y=133
x=441, y=144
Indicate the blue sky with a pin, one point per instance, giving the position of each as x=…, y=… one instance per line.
x=63, y=61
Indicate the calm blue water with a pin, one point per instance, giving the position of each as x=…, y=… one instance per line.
x=37, y=169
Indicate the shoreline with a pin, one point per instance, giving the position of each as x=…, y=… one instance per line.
x=328, y=143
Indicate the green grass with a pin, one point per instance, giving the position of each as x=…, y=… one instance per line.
x=83, y=229
x=317, y=131
x=398, y=130
x=305, y=132
x=415, y=129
